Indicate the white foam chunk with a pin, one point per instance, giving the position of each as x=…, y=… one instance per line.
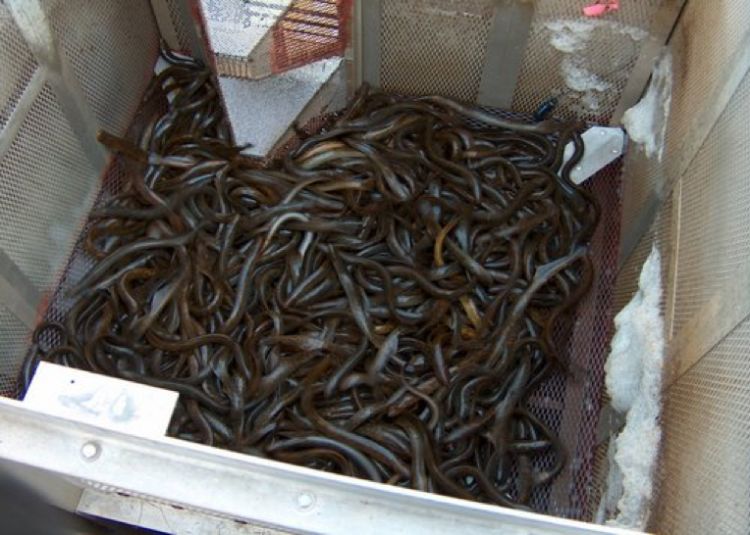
x=633, y=379
x=235, y=27
x=261, y=111
x=588, y=86
x=646, y=122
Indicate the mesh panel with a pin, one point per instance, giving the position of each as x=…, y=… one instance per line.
x=46, y=185
x=309, y=31
x=258, y=38
x=706, y=453
x=572, y=401
x=111, y=46
x=704, y=40
x=701, y=46
x=625, y=287
x=644, y=183
x=714, y=236
x=434, y=46
x=179, y=24
x=17, y=63
x=13, y=339
x=660, y=235
x=611, y=49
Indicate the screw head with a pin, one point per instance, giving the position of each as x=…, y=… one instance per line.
x=305, y=501
x=90, y=450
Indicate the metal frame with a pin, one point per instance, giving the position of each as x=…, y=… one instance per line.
x=662, y=27
x=506, y=45
x=246, y=488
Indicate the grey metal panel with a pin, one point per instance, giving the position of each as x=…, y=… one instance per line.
x=505, y=49
x=369, y=18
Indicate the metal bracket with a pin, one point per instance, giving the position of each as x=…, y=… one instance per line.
x=368, y=13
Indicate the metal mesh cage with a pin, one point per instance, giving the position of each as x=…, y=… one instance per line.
x=15, y=337
x=445, y=47
x=568, y=402
x=699, y=194
x=18, y=66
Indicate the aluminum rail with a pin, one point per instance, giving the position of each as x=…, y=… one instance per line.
x=248, y=488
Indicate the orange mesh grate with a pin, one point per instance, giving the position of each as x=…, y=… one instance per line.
x=309, y=31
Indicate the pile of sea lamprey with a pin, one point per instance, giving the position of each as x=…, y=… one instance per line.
x=378, y=304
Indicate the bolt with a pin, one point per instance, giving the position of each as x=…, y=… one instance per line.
x=90, y=451
x=305, y=501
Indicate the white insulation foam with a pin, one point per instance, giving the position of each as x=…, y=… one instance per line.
x=633, y=379
x=262, y=111
x=572, y=38
x=646, y=122
x=235, y=27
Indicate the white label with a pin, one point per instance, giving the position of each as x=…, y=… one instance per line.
x=101, y=400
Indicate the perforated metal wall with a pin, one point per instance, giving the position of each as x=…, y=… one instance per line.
x=434, y=46
x=705, y=460
x=48, y=179
x=704, y=46
x=18, y=65
x=714, y=237
x=441, y=46
x=701, y=228
x=14, y=340
x=180, y=24
x=659, y=235
x=46, y=186
x=108, y=55
x=586, y=61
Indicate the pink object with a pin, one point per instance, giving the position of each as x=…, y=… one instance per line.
x=600, y=8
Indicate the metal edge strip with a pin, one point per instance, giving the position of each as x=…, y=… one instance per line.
x=250, y=488
x=370, y=14
x=21, y=109
x=33, y=23
x=506, y=44
x=663, y=24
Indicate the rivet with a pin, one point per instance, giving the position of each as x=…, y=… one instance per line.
x=90, y=450
x=305, y=500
